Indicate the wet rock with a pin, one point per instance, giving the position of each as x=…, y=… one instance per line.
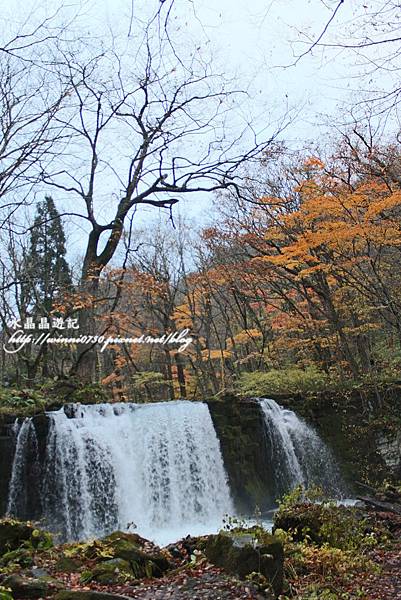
x=240, y=554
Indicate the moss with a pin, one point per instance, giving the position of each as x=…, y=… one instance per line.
x=14, y=534
x=5, y=594
x=21, y=556
x=112, y=571
x=66, y=564
x=128, y=547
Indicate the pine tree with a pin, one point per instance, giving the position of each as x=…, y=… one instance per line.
x=47, y=271
x=44, y=275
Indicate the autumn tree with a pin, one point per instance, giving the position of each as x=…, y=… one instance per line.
x=145, y=127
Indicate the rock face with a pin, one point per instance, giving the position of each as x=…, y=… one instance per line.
x=241, y=431
x=389, y=449
x=242, y=555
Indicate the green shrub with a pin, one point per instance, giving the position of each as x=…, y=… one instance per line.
x=291, y=380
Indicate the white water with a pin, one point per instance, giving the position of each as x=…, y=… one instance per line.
x=298, y=454
x=25, y=438
x=155, y=469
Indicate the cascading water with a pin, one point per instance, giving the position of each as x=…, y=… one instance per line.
x=298, y=455
x=25, y=470
x=156, y=467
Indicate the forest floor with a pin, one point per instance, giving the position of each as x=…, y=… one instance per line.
x=204, y=583
x=377, y=578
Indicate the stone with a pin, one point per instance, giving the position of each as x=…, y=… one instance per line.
x=29, y=587
x=89, y=595
x=128, y=547
x=114, y=571
x=241, y=558
x=21, y=556
x=65, y=564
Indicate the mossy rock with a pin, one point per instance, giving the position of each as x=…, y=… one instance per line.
x=128, y=547
x=65, y=564
x=116, y=536
x=242, y=554
x=89, y=595
x=21, y=556
x=29, y=587
x=14, y=534
x=109, y=572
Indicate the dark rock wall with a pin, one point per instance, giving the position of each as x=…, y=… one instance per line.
x=240, y=428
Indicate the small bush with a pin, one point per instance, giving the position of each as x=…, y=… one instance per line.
x=292, y=380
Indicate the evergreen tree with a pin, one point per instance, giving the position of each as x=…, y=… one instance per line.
x=46, y=270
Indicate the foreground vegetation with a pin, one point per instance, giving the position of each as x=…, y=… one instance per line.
x=330, y=553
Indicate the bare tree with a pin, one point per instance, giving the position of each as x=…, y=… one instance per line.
x=31, y=95
x=144, y=127
x=369, y=35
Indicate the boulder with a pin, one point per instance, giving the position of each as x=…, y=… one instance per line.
x=65, y=564
x=243, y=553
x=21, y=556
x=130, y=548
x=114, y=571
x=29, y=587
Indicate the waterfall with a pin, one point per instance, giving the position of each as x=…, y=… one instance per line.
x=156, y=468
x=25, y=469
x=297, y=454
